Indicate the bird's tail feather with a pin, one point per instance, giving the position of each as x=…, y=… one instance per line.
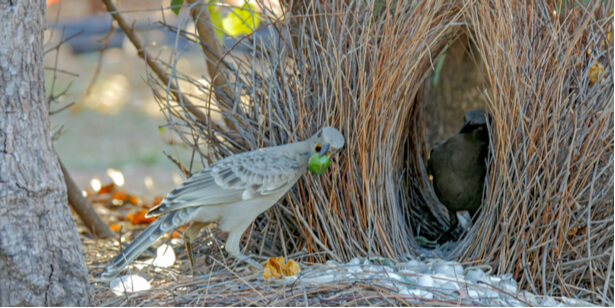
x=153, y=232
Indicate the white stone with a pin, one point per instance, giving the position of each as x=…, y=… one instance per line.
x=514, y=302
x=464, y=219
x=426, y=281
x=354, y=261
x=476, y=275
x=473, y=293
x=413, y=266
x=165, y=256
x=374, y=268
x=418, y=293
x=448, y=287
x=354, y=266
x=331, y=263
x=509, y=286
x=129, y=284
x=548, y=301
x=576, y=302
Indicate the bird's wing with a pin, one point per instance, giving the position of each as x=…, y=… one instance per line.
x=239, y=177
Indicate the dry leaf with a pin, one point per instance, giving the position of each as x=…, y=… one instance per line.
x=176, y=234
x=106, y=189
x=139, y=218
x=157, y=200
x=276, y=267
x=595, y=72
x=291, y=269
x=124, y=197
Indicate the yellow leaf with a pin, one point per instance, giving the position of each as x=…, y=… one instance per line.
x=595, y=72
x=290, y=269
x=216, y=20
x=272, y=269
x=276, y=267
x=267, y=273
x=240, y=21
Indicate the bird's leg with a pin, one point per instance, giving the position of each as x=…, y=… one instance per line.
x=191, y=232
x=448, y=234
x=232, y=247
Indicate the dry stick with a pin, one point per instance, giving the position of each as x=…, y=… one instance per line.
x=209, y=43
x=84, y=209
x=111, y=8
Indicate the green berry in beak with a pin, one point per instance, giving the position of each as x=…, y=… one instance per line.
x=319, y=164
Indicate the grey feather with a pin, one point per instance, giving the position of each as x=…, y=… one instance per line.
x=233, y=192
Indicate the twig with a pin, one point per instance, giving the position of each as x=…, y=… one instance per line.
x=212, y=51
x=111, y=8
x=83, y=208
x=178, y=164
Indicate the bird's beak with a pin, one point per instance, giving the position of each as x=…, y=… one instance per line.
x=465, y=127
x=324, y=150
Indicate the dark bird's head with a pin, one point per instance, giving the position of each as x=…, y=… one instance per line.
x=327, y=141
x=475, y=121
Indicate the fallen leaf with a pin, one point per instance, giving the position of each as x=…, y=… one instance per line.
x=106, y=189
x=139, y=218
x=176, y=234
x=124, y=197
x=595, y=72
x=157, y=201
x=277, y=267
x=291, y=269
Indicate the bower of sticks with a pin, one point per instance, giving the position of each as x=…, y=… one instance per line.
x=365, y=67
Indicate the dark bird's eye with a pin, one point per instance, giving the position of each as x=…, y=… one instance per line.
x=317, y=148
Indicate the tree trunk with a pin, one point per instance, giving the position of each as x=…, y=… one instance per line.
x=41, y=260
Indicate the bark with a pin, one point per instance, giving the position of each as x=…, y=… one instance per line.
x=41, y=260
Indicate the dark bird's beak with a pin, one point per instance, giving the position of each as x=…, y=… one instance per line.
x=465, y=128
x=324, y=150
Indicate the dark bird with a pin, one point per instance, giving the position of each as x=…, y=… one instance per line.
x=458, y=167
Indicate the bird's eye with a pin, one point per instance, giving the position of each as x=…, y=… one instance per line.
x=317, y=148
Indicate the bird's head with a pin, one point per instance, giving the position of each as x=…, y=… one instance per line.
x=475, y=120
x=327, y=141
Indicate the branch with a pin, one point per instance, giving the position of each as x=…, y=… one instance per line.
x=219, y=81
x=111, y=8
x=209, y=43
x=84, y=209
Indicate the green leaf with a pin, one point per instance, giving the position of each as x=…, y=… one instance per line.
x=216, y=20
x=176, y=5
x=240, y=21
x=436, y=75
x=424, y=242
